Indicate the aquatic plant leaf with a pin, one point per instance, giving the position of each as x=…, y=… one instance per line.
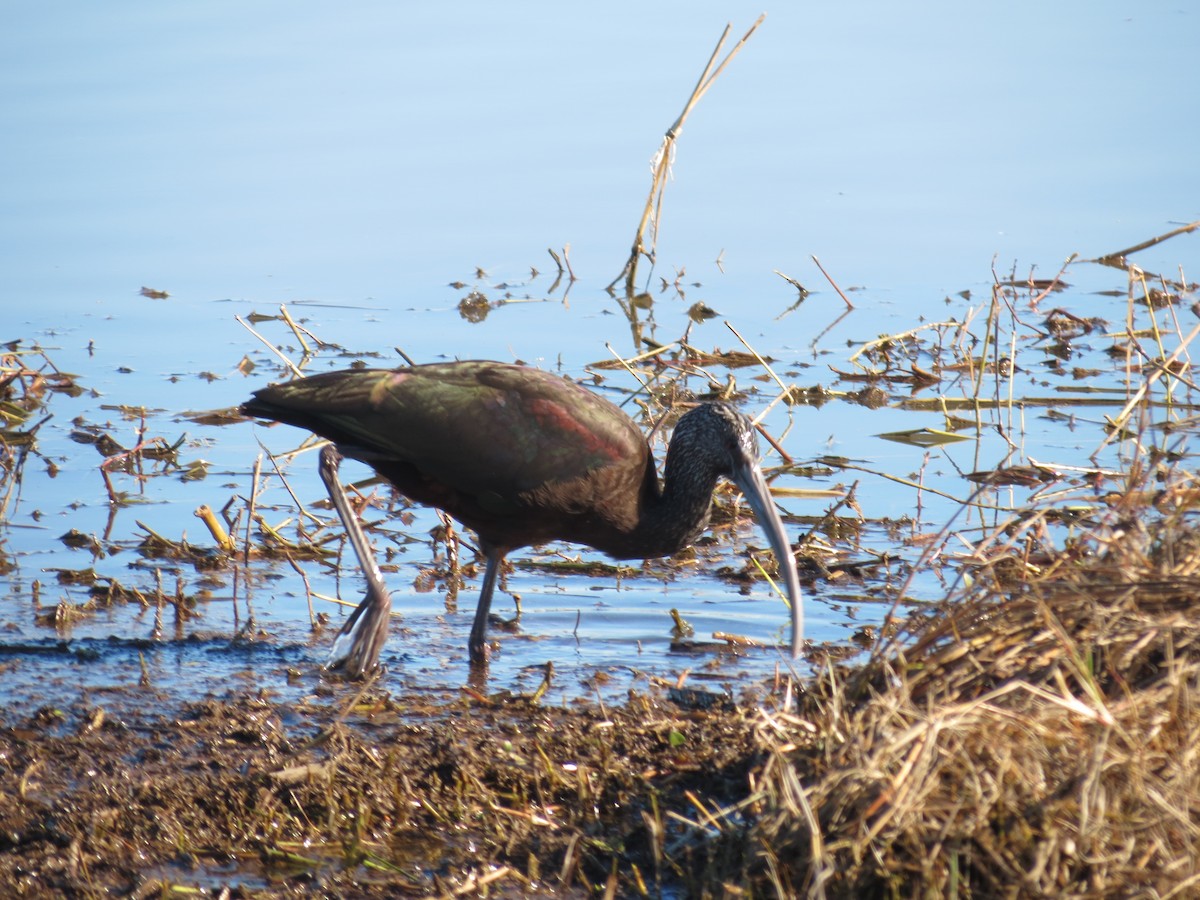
x=923, y=437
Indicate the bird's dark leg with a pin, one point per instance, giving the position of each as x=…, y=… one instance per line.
x=358, y=645
x=477, y=646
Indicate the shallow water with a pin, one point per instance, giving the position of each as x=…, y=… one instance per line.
x=352, y=166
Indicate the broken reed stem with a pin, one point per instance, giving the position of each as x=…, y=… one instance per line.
x=1119, y=255
x=908, y=482
x=784, y=391
x=762, y=362
x=626, y=365
x=205, y=513
x=304, y=513
x=308, y=591
x=898, y=336
x=255, y=478
x=652, y=212
x=566, y=258
x=287, y=362
x=845, y=299
x=291, y=323
x=657, y=350
x=1122, y=417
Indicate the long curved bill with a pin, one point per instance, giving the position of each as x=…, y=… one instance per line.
x=749, y=477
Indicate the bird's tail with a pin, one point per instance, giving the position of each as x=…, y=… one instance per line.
x=358, y=645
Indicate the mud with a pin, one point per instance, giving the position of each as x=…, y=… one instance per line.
x=359, y=793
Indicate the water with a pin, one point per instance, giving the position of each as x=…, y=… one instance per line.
x=353, y=164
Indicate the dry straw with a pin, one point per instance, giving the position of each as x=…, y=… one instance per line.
x=652, y=212
x=1033, y=735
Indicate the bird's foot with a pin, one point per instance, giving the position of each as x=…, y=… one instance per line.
x=356, y=649
x=480, y=654
x=345, y=669
x=512, y=626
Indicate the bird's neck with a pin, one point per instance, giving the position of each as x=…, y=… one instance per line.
x=675, y=515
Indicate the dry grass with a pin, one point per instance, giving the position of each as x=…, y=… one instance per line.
x=646, y=237
x=1036, y=738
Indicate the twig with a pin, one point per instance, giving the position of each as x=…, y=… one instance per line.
x=1120, y=254
x=287, y=362
x=1163, y=370
x=762, y=362
x=652, y=212
x=287, y=317
x=803, y=291
x=845, y=299
x=250, y=504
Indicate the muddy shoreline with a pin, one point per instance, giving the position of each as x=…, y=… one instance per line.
x=367, y=796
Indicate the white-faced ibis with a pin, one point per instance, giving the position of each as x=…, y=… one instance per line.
x=522, y=457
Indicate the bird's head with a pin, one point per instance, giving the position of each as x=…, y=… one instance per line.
x=715, y=437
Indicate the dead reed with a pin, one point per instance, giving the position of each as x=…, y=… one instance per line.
x=646, y=235
x=1035, y=733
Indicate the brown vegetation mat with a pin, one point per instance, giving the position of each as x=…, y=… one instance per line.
x=449, y=798
x=1037, y=738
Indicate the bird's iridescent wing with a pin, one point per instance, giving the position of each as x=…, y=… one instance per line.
x=489, y=429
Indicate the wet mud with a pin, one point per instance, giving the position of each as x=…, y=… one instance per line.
x=360, y=793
